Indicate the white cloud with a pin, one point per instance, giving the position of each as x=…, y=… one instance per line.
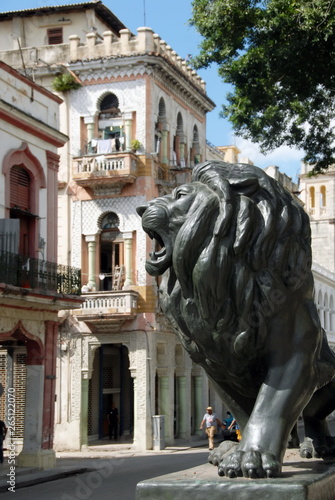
x=287, y=159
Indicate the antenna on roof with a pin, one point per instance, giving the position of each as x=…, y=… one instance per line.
x=144, y=14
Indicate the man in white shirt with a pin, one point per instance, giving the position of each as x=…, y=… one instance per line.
x=211, y=421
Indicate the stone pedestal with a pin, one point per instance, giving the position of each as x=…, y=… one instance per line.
x=301, y=480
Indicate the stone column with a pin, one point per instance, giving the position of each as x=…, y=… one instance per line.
x=84, y=409
x=128, y=122
x=40, y=399
x=182, y=407
x=50, y=353
x=164, y=145
x=164, y=403
x=31, y=454
x=52, y=205
x=91, y=240
x=198, y=403
x=182, y=150
x=128, y=241
x=89, y=122
x=136, y=441
x=142, y=408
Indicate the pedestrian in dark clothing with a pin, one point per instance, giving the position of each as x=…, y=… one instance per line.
x=3, y=432
x=113, y=421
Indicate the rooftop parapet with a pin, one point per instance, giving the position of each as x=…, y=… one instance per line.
x=146, y=42
x=107, y=46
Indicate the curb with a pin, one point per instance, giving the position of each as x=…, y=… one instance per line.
x=42, y=477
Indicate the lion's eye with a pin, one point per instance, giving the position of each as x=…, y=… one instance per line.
x=180, y=194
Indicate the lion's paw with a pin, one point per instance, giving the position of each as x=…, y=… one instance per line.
x=321, y=447
x=250, y=464
x=325, y=448
x=307, y=449
x=223, y=449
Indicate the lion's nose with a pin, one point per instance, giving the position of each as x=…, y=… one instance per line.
x=141, y=209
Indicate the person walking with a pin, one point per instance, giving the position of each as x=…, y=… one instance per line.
x=211, y=421
x=113, y=421
x=3, y=432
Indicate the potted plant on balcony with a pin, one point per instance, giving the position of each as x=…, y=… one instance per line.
x=64, y=82
x=135, y=145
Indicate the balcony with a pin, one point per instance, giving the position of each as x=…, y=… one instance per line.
x=105, y=174
x=106, y=311
x=31, y=273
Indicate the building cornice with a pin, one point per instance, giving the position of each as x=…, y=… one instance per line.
x=29, y=82
x=29, y=124
x=326, y=274
x=94, y=70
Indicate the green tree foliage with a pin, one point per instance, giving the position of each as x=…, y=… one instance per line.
x=279, y=56
x=64, y=82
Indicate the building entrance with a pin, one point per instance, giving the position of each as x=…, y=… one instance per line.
x=110, y=383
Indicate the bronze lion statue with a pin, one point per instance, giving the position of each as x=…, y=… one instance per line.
x=233, y=248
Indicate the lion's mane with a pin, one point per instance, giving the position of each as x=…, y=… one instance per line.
x=230, y=277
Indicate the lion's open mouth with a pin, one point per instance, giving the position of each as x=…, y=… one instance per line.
x=156, y=224
x=160, y=258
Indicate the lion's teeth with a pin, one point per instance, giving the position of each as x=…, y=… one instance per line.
x=153, y=256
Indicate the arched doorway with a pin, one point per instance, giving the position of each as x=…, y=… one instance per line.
x=111, y=382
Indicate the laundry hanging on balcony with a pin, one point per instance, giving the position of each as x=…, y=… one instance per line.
x=104, y=146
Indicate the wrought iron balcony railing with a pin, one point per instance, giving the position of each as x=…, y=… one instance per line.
x=26, y=272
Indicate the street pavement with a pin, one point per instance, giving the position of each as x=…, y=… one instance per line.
x=86, y=472
x=102, y=456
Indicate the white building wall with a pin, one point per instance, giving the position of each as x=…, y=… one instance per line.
x=32, y=31
x=318, y=196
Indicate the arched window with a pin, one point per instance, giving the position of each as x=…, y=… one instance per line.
x=179, y=144
x=111, y=134
x=20, y=206
x=111, y=253
x=323, y=200
x=195, y=149
x=109, y=106
x=312, y=197
x=24, y=177
x=161, y=110
x=19, y=188
x=160, y=132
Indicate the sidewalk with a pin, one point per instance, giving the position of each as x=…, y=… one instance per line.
x=78, y=462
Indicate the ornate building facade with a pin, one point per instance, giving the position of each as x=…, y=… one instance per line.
x=317, y=194
x=33, y=288
x=135, y=113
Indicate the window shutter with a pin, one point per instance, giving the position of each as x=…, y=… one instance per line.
x=9, y=235
x=19, y=188
x=55, y=36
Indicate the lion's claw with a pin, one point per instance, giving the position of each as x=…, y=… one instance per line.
x=322, y=447
x=252, y=465
x=271, y=465
x=231, y=473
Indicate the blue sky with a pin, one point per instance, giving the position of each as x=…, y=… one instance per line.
x=170, y=21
